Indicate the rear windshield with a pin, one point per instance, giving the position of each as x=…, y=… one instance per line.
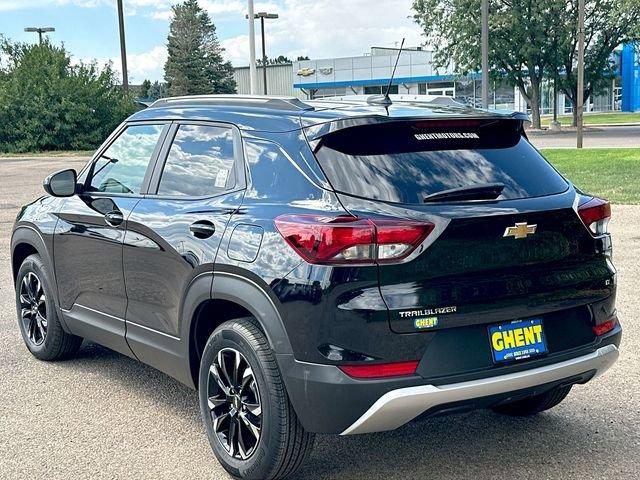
x=406, y=161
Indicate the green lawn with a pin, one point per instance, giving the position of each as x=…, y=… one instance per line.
x=598, y=118
x=612, y=173
x=56, y=153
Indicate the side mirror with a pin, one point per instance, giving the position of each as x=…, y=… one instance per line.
x=61, y=183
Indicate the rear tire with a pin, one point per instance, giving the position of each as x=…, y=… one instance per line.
x=252, y=394
x=536, y=404
x=38, y=316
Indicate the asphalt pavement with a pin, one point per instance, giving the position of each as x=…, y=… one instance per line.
x=105, y=416
x=594, y=137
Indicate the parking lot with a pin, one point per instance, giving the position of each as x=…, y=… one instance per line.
x=103, y=415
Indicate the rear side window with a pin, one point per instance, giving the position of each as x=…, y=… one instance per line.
x=404, y=162
x=200, y=162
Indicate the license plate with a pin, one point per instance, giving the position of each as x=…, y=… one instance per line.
x=517, y=340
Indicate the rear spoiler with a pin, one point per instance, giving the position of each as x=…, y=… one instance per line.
x=316, y=131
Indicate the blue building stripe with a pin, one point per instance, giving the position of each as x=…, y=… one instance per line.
x=384, y=81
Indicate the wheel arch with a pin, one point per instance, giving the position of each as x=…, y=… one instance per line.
x=212, y=301
x=26, y=241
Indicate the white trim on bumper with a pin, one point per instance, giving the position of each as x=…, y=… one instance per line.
x=397, y=407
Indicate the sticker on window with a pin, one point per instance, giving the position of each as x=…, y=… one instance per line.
x=221, y=178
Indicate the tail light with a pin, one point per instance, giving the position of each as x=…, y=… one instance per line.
x=595, y=214
x=346, y=240
x=605, y=327
x=381, y=370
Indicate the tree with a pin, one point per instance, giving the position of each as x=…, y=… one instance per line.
x=144, y=88
x=195, y=64
x=608, y=23
x=157, y=90
x=279, y=60
x=46, y=103
x=519, y=43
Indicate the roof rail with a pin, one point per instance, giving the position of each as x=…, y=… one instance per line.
x=255, y=101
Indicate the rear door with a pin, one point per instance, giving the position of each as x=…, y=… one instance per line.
x=174, y=232
x=524, y=254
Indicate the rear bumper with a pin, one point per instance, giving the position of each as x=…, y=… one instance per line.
x=328, y=401
x=397, y=407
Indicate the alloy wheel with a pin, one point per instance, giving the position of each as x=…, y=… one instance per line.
x=33, y=308
x=234, y=403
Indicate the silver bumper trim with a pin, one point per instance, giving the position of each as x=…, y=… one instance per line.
x=397, y=407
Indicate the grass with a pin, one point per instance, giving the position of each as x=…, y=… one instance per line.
x=56, y=153
x=611, y=173
x=598, y=118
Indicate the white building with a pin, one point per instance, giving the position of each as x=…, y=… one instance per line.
x=415, y=74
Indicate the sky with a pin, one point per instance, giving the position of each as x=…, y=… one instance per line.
x=317, y=28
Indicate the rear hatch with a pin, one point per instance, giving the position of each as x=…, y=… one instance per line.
x=524, y=254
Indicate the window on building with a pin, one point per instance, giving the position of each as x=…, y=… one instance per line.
x=441, y=88
x=200, y=162
x=329, y=92
x=379, y=89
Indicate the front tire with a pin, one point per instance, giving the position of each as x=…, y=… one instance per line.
x=535, y=404
x=37, y=314
x=250, y=422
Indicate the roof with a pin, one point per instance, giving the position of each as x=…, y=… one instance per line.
x=279, y=114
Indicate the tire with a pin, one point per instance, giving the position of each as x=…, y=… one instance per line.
x=40, y=326
x=282, y=444
x=534, y=405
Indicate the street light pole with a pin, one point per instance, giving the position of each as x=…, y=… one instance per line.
x=123, y=48
x=580, y=102
x=485, y=53
x=262, y=16
x=253, y=81
x=264, y=56
x=40, y=31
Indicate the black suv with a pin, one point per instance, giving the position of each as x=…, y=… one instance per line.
x=333, y=266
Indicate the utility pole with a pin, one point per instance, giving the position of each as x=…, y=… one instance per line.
x=123, y=48
x=580, y=101
x=485, y=53
x=40, y=31
x=253, y=80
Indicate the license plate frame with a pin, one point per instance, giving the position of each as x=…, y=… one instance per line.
x=526, y=340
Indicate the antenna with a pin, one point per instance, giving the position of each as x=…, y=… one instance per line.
x=385, y=100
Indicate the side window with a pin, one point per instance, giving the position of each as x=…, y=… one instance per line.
x=273, y=175
x=201, y=162
x=121, y=168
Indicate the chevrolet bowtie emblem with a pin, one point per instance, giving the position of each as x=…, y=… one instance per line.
x=520, y=230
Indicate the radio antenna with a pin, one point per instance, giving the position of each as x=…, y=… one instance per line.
x=385, y=100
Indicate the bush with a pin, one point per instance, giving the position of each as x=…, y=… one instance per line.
x=46, y=103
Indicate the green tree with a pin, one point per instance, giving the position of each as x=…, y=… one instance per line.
x=531, y=39
x=144, y=88
x=520, y=39
x=46, y=103
x=195, y=64
x=608, y=23
x=157, y=90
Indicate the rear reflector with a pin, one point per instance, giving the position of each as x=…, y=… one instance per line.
x=595, y=214
x=606, y=326
x=347, y=240
x=380, y=370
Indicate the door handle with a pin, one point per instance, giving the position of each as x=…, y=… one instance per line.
x=202, y=229
x=114, y=218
